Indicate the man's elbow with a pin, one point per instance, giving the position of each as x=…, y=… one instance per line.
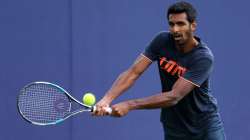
x=174, y=99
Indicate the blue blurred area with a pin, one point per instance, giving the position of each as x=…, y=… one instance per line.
x=84, y=45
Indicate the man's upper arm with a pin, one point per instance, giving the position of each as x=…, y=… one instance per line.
x=139, y=66
x=194, y=77
x=182, y=87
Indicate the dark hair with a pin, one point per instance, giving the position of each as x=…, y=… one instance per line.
x=183, y=7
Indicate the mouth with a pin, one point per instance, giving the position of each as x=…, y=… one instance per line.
x=177, y=36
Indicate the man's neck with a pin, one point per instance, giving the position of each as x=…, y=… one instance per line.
x=192, y=43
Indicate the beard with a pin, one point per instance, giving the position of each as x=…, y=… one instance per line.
x=182, y=39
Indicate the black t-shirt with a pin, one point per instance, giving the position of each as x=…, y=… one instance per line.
x=197, y=111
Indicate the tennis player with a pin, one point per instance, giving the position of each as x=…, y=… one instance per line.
x=188, y=110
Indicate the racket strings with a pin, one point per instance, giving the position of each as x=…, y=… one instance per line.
x=42, y=103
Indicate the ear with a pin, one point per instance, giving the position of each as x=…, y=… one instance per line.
x=193, y=26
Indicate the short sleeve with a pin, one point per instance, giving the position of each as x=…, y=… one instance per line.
x=152, y=50
x=199, y=70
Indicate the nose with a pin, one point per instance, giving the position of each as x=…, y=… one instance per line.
x=175, y=29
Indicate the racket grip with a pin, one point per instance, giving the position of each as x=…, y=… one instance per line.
x=107, y=109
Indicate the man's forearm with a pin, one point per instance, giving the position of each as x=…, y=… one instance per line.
x=122, y=83
x=161, y=100
x=127, y=78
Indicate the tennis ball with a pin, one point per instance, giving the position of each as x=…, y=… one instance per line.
x=89, y=99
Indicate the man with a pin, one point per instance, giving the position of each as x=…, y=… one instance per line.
x=189, y=111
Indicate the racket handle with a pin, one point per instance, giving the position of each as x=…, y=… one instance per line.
x=107, y=109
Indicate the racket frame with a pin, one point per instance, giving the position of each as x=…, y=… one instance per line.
x=71, y=98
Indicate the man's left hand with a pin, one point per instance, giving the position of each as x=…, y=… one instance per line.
x=120, y=109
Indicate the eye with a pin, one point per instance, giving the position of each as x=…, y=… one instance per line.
x=181, y=23
x=171, y=24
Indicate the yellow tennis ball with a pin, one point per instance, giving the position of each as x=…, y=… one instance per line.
x=89, y=99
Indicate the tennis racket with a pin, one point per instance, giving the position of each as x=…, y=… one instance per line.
x=44, y=103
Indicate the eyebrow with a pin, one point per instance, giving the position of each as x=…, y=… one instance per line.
x=178, y=22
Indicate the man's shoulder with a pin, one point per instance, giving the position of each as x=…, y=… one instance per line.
x=163, y=34
x=204, y=51
x=164, y=38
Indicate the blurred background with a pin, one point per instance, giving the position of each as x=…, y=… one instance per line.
x=83, y=45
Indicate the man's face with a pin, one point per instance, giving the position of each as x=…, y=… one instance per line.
x=180, y=28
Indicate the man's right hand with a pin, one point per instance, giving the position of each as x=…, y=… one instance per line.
x=101, y=107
